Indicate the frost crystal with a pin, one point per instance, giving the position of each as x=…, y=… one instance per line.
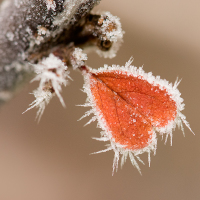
x=42, y=98
x=78, y=58
x=42, y=34
x=52, y=74
x=51, y=4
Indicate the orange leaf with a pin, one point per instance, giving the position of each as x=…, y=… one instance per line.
x=130, y=105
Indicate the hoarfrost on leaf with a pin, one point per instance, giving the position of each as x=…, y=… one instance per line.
x=131, y=107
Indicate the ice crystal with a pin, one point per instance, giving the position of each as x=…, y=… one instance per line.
x=51, y=4
x=42, y=98
x=52, y=74
x=78, y=58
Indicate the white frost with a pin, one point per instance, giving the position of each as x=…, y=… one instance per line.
x=51, y=4
x=52, y=74
x=78, y=58
x=42, y=98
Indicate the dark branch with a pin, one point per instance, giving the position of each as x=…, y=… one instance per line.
x=29, y=30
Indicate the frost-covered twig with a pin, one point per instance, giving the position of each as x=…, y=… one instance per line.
x=30, y=30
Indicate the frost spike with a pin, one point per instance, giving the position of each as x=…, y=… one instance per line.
x=101, y=139
x=134, y=162
x=88, y=113
x=102, y=151
x=91, y=120
x=139, y=159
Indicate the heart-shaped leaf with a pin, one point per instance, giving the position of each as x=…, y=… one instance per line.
x=131, y=106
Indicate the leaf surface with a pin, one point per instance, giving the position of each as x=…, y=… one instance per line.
x=130, y=107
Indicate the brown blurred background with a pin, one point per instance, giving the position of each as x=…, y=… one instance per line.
x=51, y=161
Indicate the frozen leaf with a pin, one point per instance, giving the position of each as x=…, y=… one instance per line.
x=131, y=106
